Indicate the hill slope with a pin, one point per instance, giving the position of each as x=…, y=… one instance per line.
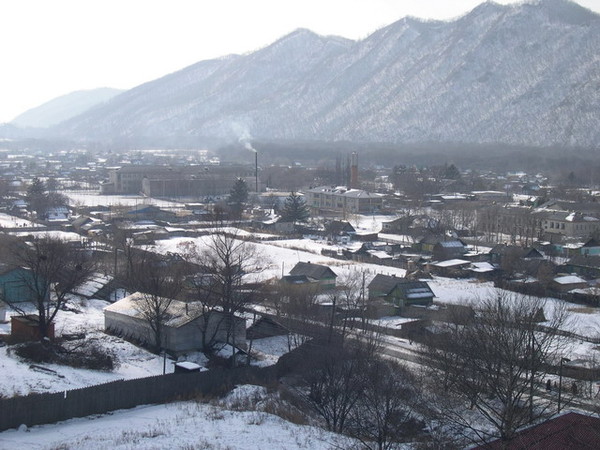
x=526, y=74
x=64, y=107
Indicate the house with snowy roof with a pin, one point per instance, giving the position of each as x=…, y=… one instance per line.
x=450, y=249
x=400, y=292
x=313, y=273
x=344, y=200
x=569, y=224
x=187, y=325
x=567, y=283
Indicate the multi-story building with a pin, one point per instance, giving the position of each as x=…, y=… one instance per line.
x=569, y=224
x=167, y=181
x=342, y=200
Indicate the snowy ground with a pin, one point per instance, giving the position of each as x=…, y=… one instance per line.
x=132, y=362
x=280, y=257
x=7, y=221
x=583, y=320
x=95, y=199
x=184, y=425
x=52, y=234
x=19, y=379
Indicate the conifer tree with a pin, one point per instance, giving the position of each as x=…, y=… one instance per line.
x=295, y=209
x=238, y=196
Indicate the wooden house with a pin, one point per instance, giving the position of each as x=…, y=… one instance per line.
x=316, y=273
x=585, y=266
x=567, y=283
x=449, y=249
x=591, y=248
x=400, y=292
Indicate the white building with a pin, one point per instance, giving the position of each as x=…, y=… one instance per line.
x=187, y=327
x=570, y=224
x=343, y=200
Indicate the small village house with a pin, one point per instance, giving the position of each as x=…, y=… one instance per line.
x=400, y=292
x=183, y=330
x=317, y=273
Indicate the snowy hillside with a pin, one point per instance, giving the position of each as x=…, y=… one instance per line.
x=186, y=425
x=64, y=107
x=524, y=74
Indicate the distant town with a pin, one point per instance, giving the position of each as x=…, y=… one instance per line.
x=152, y=264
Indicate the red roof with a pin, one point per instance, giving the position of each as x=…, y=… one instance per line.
x=572, y=431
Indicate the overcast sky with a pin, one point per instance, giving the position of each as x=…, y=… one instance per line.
x=49, y=48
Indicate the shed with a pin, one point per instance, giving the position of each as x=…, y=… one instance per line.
x=26, y=328
x=449, y=267
x=187, y=367
x=568, y=282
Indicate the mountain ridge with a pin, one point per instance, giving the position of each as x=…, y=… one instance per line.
x=515, y=74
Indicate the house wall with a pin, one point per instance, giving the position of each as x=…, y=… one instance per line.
x=23, y=330
x=592, y=251
x=129, y=327
x=570, y=228
x=176, y=339
x=338, y=201
x=14, y=287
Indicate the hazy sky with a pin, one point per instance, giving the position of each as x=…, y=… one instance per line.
x=49, y=48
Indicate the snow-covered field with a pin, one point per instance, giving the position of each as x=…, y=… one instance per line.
x=182, y=425
x=169, y=425
x=94, y=199
x=7, y=221
x=280, y=256
x=584, y=321
x=52, y=234
x=18, y=378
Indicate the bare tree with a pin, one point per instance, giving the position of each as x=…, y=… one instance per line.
x=228, y=265
x=159, y=280
x=48, y=269
x=350, y=294
x=333, y=382
x=495, y=362
x=298, y=302
x=386, y=411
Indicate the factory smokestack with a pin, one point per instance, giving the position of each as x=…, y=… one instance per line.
x=354, y=171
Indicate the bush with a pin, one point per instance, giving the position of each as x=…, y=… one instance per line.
x=88, y=355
